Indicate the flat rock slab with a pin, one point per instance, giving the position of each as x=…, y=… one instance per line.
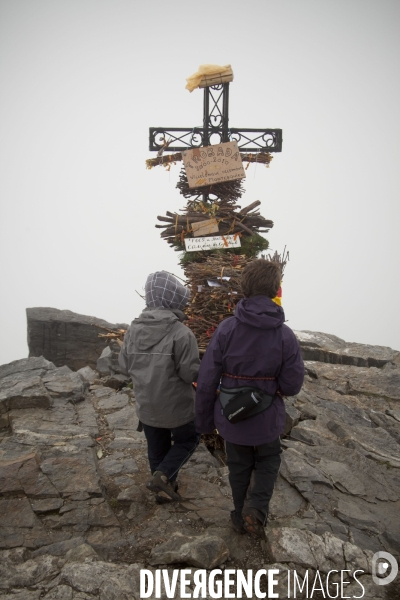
x=72, y=474
x=125, y=418
x=357, y=514
x=27, y=366
x=205, y=551
x=28, y=392
x=286, y=500
x=323, y=347
x=19, y=526
x=23, y=475
x=82, y=515
x=110, y=581
x=28, y=573
x=383, y=384
x=311, y=551
x=117, y=466
x=113, y=402
x=65, y=383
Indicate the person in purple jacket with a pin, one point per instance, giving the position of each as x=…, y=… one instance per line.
x=252, y=348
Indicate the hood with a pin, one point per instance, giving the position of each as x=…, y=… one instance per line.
x=151, y=327
x=164, y=290
x=260, y=311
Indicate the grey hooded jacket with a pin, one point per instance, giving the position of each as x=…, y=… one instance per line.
x=161, y=355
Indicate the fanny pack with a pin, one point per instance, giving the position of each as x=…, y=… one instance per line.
x=244, y=402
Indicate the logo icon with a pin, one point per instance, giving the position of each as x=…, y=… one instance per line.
x=381, y=574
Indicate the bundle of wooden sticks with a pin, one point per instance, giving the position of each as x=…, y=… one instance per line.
x=263, y=158
x=229, y=217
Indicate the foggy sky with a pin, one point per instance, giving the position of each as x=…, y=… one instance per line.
x=81, y=83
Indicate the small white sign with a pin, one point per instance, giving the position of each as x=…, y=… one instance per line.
x=210, y=243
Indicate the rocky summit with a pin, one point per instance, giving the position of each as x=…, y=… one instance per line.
x=78, y=523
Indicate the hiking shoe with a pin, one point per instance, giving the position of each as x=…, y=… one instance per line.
x=162, y=498
x=237, y=522
x=159, y=483
x=253, y=522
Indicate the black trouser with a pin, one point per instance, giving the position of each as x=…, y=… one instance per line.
x=253, y=471
x=166, y=456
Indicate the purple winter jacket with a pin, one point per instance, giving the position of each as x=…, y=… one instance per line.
x=253, y=343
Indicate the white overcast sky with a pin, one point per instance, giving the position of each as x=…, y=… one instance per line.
x=83, y=80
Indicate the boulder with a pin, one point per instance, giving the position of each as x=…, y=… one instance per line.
x=65, y=337
x=324, y=347
x=204, y=551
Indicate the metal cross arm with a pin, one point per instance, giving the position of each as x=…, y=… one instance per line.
x=215, y=129
x=249, y=140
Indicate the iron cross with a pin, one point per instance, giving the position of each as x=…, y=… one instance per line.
x=216, y=129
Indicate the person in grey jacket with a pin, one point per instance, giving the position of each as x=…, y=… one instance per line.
x=161, y=355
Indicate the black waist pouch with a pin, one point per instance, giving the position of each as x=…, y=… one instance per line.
x=241, y=403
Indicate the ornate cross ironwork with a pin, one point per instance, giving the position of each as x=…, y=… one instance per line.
x=216, y=129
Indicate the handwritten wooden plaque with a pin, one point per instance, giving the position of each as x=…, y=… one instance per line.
x=213, y=164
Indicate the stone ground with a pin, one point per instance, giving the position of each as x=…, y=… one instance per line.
x=77, y=522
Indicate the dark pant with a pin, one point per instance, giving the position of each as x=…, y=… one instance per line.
x=169, y=449
x=253, y=471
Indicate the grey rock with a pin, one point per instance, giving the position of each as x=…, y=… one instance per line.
x=28, y=367
x=66, y=338
x=88, y=374
x=17, y=512
x=131, y=493
x=28, y=573
x=22, y=474
x=113, y=402
x=125, y=418
x=18, y=594
x=292, y=417
x=92, y=578
x=297, y=470
x=59, y=548
x=342, y=477
x=323, y=347
x=214, y=516
x=365, y=588
x=114, y=466
x=304, y=548
x=81, y=553
x=102, y=392
x=107, y=364
x=72, y=474
x=387, y=422
x=64, y=383
x=28, y=392
x=306, y=410
x=205, y=551
x=395, y=413
x=87, y=417
x=285, y=580
x=61, y=592
x=355, y=558
x=46, y=505
x=290, y=545
x=356, y=514
x=392, y=538
x=286, y=500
